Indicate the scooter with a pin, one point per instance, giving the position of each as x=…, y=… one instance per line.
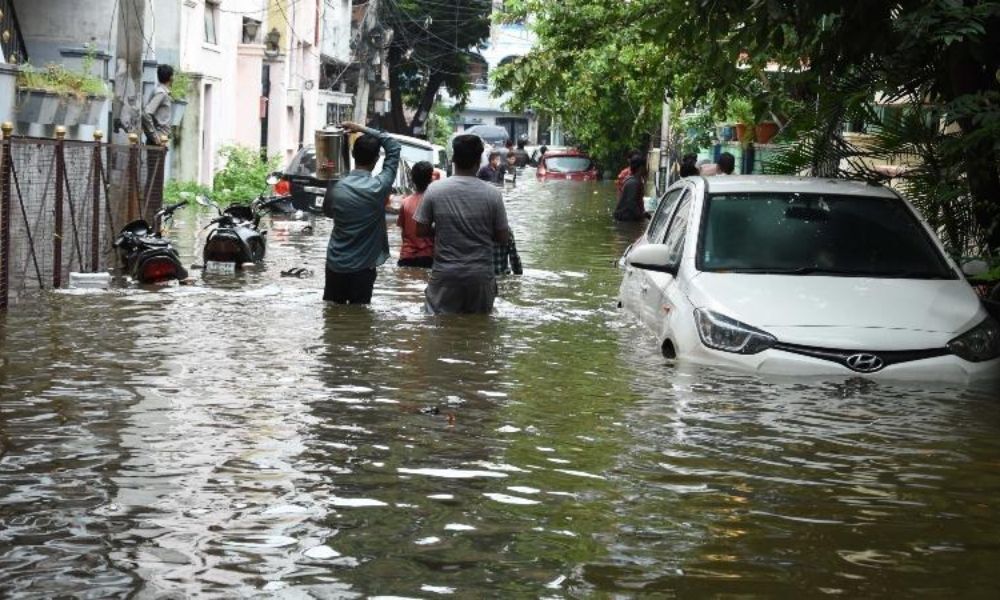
x=236, y=239
x=148, y=257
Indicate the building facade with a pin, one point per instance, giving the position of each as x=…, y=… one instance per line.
x=254, y=67
x=507, y=41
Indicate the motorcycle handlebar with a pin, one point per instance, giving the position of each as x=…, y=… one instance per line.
x=169, y=209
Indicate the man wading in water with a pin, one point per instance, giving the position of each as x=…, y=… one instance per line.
x=359, y=242
x=466, y=217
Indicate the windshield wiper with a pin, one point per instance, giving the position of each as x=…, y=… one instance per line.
x=815, y=270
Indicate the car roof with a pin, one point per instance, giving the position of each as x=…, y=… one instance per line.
x=412, y=141
x=551, y=153
x=729, y=184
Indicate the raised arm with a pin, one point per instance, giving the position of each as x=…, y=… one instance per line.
x=392, y=151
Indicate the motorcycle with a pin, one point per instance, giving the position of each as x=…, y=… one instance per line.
x=236, y=239
x=148, y=257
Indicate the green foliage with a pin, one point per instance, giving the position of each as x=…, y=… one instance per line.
x=59, y=80
x=181, y=86
x=244, y=176
x=439, y=125
x=601, y=68
x=175, y=191
x=741, y=111
x=698, y=131
x=429, y=49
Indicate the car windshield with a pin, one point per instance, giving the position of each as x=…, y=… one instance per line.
x=303, y=164
x=415, y=154
x=817, y=234
x=491, y=135
x=567, y=164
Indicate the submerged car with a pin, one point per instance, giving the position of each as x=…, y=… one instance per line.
x=805, y=276
x=298, y=179
x=566, y=164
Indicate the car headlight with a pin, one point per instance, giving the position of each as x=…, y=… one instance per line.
x=978, y=344
x=729, y=335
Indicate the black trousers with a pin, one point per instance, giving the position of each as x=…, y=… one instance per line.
x=424, y=262
x=349, y=288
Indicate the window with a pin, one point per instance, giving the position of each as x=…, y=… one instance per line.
x=414, y=154
x=817, y=234
x=567, y=164
x=678, y=232
x=338, y=113
x=658, y=226
x=478, y=73
x=211, y=20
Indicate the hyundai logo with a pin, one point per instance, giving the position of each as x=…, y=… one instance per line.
x=865, y=363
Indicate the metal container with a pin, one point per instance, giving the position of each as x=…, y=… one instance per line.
x=332, y=153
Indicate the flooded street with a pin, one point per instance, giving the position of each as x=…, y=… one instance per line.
x=238, y=438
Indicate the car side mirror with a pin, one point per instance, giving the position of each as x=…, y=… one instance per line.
x=975, y=268
x=651, y=257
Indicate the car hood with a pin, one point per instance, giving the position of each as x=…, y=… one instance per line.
x=786, y=301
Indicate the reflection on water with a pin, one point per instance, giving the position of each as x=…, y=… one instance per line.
x=237, y=438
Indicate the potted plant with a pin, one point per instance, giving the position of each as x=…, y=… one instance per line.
x=765, y=131
x=179, y=91
x=55, y=95
x=741, y=113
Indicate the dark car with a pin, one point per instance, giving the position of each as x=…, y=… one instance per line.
x=299, y=181
x=568, y=164
x=493, y=135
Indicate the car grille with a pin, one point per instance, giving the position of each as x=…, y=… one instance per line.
x=863, y=361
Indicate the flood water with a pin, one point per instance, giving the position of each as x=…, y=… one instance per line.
x=237, y=438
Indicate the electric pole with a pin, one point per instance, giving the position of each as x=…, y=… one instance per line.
x=664, y=174
x=367, y=52
x=127, y=102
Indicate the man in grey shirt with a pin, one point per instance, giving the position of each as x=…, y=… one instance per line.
x=158, y=113
x=466, y=217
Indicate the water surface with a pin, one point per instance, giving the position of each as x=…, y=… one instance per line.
x=237, y=438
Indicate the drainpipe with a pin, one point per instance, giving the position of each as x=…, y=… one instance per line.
x=265, y=106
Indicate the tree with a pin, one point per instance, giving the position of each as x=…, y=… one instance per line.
x=833, y=59
x=430, y=48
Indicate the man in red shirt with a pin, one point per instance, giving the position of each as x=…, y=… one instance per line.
x=416, y=251
x=627, y=171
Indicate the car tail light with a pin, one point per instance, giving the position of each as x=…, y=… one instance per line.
x=223, y=249
x=283, y=188
x=158, y=269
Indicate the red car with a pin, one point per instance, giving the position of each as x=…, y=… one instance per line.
x=568, y=164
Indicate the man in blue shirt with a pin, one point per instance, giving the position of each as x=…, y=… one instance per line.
x=359, y=242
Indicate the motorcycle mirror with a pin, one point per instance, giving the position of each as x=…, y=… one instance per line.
x=204, y=201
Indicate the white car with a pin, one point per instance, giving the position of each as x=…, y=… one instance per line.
x=804, y=276
x=415, y=150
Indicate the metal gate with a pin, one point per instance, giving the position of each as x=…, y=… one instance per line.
x=62, y=202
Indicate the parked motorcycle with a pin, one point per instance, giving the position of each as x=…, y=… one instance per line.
x=236, y=239
x=148, y=257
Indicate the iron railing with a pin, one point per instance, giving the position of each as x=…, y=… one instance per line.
x=61, y=203
x=11, y=40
